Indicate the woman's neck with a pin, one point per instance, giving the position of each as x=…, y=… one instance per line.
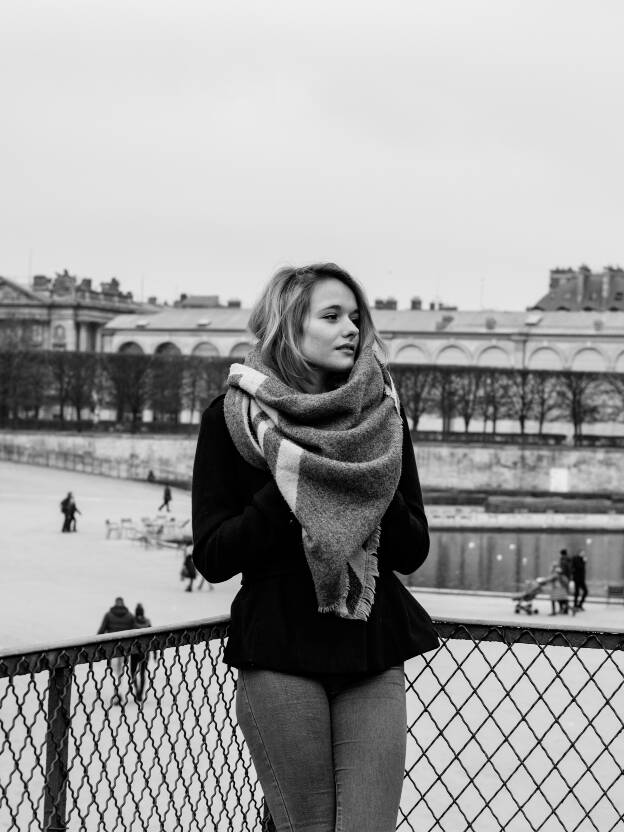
x=317, y=383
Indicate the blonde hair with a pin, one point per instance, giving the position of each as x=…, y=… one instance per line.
x=279, y=314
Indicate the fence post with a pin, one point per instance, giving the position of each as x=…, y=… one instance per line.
x=57, y=742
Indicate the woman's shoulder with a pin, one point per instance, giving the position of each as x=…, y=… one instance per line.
x=214, y=411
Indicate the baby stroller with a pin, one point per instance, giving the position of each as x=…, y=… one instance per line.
x=524, y=599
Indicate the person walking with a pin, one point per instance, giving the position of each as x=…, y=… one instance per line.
x=305, y=482
x=188, y=570
x=166, y=499
x=579, y=570
x=116, y=620
x=565, y=563
x=558, y=590
x=139, y=659
x=69, y=509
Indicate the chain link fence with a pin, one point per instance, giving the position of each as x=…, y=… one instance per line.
x=509, y=728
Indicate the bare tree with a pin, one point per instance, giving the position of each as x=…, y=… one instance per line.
x=82, y=368
x=579, y=397
x=59, y=364
x=128, y=383
x=414, y=384
x=444, y=393
x=547, y=398
x=165, y=393
x=468, y=387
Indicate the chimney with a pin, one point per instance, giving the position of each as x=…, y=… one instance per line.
x=416, y=303
x=582, y=285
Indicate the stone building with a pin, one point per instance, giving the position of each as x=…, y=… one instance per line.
x=575, y=290
x=585, y=340
x=63, y=312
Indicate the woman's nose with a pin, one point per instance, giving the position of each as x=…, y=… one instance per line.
x=350, y=327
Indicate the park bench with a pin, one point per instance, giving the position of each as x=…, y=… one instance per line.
x=615, y=591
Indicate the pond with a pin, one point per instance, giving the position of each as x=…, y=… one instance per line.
x=501, y=560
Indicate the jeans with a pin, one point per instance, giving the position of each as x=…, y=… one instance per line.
x=329, y=750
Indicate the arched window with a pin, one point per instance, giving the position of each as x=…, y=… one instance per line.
x=545, y=358
x=130, y=348
x=411, y=354
x=494, y=357
x=167, y=349
x=205, y=349
x=240, y=350
x=452, y=356
x=589, y=360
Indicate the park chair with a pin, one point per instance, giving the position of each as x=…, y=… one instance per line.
x=112, y=529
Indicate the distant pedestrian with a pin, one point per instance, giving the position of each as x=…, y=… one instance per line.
x=558, y=590
x=188, y=571
x=579, y=569
x=69, y=509
x=166, y=499
x=117, y=619
x=565, y=563
x=140, y=658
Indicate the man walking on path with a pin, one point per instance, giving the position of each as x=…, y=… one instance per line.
x=579, y=569
x=166, y=499
x=118, y=618
x=69, y=510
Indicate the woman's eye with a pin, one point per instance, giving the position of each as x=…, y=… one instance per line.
x=331, y=317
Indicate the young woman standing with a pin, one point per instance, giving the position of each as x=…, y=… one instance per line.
x=305, y=482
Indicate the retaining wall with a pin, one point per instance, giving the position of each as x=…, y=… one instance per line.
x=457, y=466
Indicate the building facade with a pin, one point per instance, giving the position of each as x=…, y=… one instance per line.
x=63, y=312
x=586, y=340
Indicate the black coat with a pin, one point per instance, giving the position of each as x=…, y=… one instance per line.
x=242, y=524
x=117, y=619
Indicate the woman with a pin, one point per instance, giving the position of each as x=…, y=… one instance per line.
x=305, y=482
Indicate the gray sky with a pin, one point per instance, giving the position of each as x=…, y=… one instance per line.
x=451, y=148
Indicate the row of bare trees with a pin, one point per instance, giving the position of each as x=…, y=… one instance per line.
x=79, y=387
x=490, y=395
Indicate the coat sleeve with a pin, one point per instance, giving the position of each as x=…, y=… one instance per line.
x=230, y=535
x=103, y=625
x=405, y=532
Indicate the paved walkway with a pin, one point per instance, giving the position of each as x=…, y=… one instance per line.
x=58, y=586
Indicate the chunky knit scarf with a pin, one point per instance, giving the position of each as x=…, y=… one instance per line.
x=336, y=459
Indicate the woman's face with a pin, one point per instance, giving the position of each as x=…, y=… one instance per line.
x=330, y=330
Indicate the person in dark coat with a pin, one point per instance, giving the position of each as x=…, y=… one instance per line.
x=189, y=571
x=116, y=620
x=305, y=482
x=565, y=563
x=139, y=659
x=579, y=569
x=166, y=499
x=69, y=510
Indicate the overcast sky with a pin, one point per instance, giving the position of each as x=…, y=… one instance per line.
x=452, y=149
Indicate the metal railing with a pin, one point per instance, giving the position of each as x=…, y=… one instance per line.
x=510, y=728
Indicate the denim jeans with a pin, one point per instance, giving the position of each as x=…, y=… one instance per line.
x=329, y=750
